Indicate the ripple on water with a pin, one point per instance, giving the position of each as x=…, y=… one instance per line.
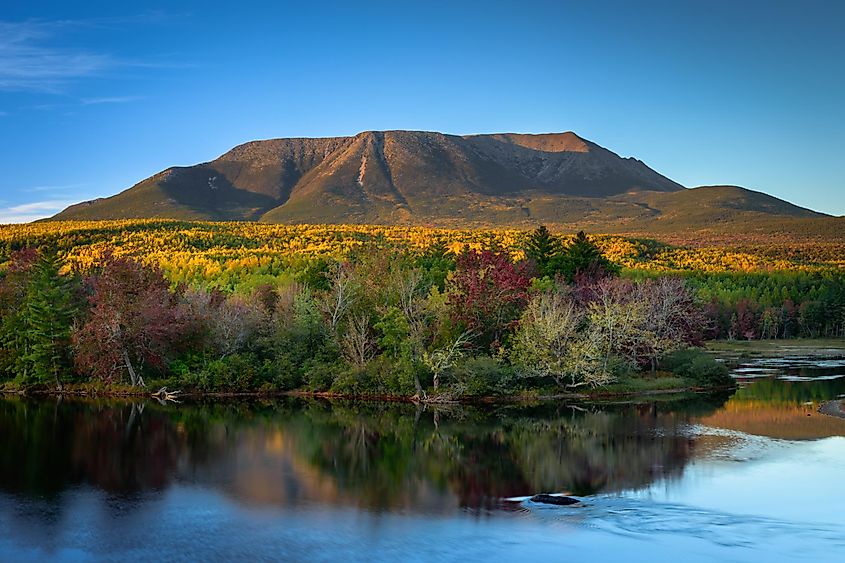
x=647, y=520
x=636, y=517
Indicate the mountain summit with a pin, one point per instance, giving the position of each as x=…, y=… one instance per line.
x=378, y=176
x=432, y=178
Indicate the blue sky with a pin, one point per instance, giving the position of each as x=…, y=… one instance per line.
x=95, y=96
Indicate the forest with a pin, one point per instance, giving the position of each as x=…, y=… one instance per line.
x=388, y=311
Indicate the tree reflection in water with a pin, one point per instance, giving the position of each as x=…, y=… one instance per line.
x=376, y=456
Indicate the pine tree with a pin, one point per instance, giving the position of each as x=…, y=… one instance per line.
x=582, y=257
x=46, y=317
x=13, y=291
x=542, y=247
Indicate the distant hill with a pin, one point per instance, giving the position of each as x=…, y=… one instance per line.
x=407, y=177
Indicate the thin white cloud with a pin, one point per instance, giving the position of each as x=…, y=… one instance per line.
x=32, y=59
x=26, y=212
x=54, y=188
x=11, y=218
x=28, y=62
x=35, y=206
x=45, y=107
x=119, y=22
x=109, y=100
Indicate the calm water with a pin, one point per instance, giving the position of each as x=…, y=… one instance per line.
x=752, y=476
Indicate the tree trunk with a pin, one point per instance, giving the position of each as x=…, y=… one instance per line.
x=436, y=382
x=418, y=385
x=137, y=380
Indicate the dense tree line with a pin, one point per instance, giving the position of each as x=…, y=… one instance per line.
x=377, y=323
x=484, y=321
x=770, y=306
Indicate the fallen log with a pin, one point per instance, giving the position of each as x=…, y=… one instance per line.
x=164, y=395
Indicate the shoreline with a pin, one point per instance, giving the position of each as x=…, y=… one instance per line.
x=835, y=408
x=147, y=393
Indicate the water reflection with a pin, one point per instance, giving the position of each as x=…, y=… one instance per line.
x=376, y=456
x=779, y=398
x=748, y=476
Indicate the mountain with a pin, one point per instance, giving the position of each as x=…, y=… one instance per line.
x=425, y=177
x=377, y=177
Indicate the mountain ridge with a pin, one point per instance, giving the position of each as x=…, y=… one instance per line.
x=426, y=177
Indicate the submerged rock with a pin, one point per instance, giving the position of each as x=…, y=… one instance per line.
x=833, y=408
x=554, y=499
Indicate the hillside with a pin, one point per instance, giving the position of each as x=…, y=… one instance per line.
x=413, y=177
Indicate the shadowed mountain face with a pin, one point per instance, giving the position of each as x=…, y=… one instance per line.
x=421, y=177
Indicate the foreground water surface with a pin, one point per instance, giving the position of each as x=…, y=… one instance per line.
x=755, y=475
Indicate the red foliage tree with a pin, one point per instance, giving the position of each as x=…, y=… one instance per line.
x=487, y=294
x=718, y=320
x=746, y=320
x=135, y=321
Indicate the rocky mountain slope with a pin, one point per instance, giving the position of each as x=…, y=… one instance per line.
x=431, y=178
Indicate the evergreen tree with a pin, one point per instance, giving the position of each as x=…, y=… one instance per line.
x=47, y=314
x=13, y=291
x=542, y=247
x=581, y=257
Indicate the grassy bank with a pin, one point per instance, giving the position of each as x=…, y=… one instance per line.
x=661, y=384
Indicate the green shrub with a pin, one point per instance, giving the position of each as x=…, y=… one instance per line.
x=697, y=365
x=620, y=368
x=381, y=376
x=238, y=372
x=482, y=376
x=707, y=371
x=320, y=376
x=284, y=374
x=354, y=381
x=394, y=375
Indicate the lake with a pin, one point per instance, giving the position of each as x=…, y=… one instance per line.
x=751, y=475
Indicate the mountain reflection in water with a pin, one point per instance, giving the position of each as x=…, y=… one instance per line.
x=751, y=476
x=377, y=456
